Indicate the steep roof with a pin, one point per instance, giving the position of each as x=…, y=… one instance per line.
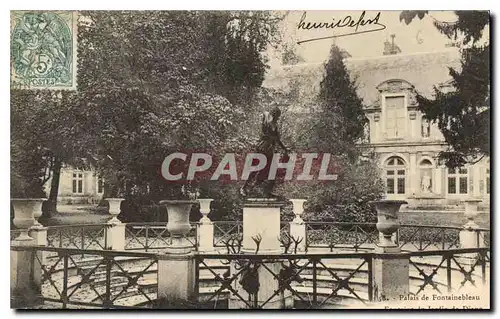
x=422, y=70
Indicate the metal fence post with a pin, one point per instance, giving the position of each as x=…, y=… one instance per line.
x=64, y=294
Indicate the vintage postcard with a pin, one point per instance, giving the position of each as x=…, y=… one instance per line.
x=250, y=160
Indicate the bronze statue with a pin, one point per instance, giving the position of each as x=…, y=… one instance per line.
x=269, y=143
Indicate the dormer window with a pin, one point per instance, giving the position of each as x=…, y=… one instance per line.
x=396, y=97
x=395, y=116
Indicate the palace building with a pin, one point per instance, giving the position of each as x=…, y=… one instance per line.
x=406, y=145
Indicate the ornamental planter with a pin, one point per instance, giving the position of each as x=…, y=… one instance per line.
x=298, y=209
x=388, y=219
x=114, y=209
x=205, y=209
x=178, y=216
x=25, y=210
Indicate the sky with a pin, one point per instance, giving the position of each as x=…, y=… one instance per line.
x=418, y=36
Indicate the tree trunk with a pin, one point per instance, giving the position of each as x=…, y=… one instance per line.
x=51, y=205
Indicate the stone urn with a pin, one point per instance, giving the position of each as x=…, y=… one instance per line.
x=387, y=219
x=298, y=209
x=178, y=216
x=25, y=210
x=114, y=209
x=471, y=212
x=205, y=209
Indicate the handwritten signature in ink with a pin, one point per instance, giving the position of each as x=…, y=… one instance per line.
x=344, y=22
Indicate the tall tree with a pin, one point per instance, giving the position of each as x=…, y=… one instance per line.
x=149, y=82
x=44, y=134
x=341, y=116
x=335, y=125
x=181, y=80
x=462, y=114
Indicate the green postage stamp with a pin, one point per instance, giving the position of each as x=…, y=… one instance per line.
x=43, y=50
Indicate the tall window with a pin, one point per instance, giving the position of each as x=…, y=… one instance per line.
x=458, y=180
x=77, y=182
x=100, y=185
x=395, y=116
x=487, y=180
x=395, y=176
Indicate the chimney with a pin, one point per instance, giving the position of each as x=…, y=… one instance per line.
x=391, y=48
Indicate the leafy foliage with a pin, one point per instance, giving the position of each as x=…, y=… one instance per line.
x=463, y=114
x=339, y=124
x=149, y=83
x=335, y=126
x=40, y=133
x=289, y=55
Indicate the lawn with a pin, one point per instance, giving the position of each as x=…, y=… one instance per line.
x=92, y=215
x=442, y=219
x=74, y=214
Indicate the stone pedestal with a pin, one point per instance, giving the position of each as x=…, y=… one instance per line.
x=470, y=236
x=298, y=231
x=39, y=234
x=268, y=285
x=206, y=237
x=206, y=228
x=25, y=275
x=176, y=277
x=261, y=218
x=115, y=231
x=297, y=226
x=390, y=274
x=115, y=235
x=390, y=266
x=176, y=268
x=25, y=270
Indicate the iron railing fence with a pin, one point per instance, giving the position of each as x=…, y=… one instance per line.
x=321, y=235
x=83, y=236
x=338, y=235
x=93, y=278
x=154, y=236
x=363, y=236
x=123, y=279
x=326, y=283
x=448, y=271
x=224, y=231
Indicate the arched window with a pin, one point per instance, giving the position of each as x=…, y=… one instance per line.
x=425, y=176
x=395, y=175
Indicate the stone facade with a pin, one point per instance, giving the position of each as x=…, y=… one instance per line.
x=78, y=186
x=405, y=145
